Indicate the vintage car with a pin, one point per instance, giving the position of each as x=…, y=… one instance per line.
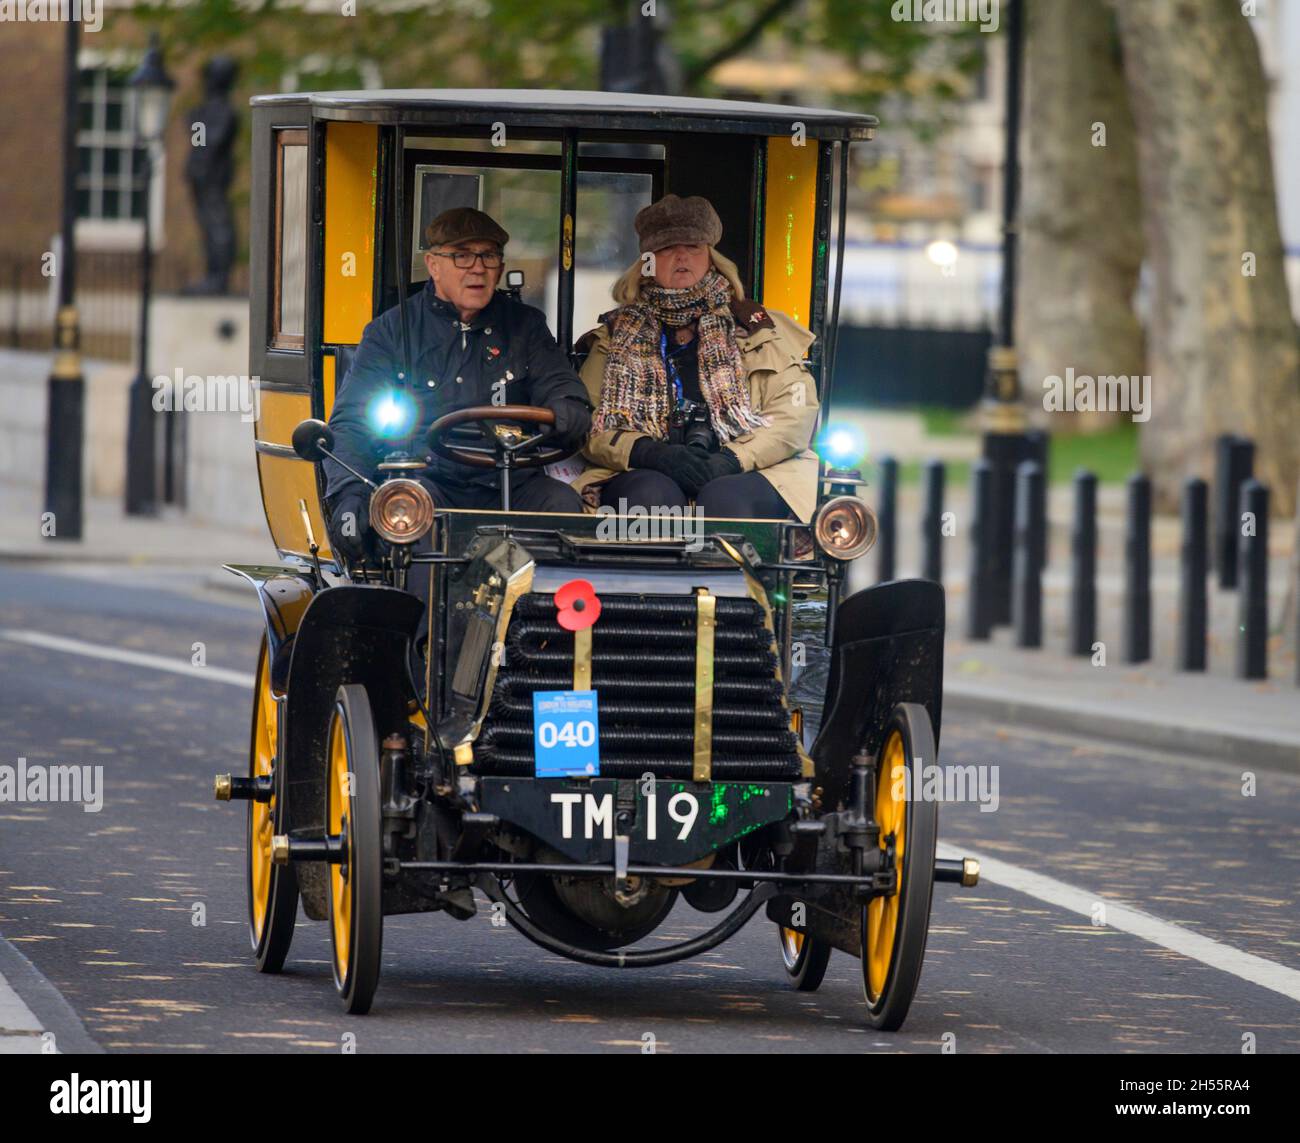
x=587, y=729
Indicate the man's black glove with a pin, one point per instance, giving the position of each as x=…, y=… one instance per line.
x=724, y=463
x=349, y=523
x=572, y=423
x=688, y=466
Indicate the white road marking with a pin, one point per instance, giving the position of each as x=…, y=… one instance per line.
x=135, y=658
x=1225, y=958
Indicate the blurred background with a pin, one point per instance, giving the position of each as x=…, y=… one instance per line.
x=1158, y=148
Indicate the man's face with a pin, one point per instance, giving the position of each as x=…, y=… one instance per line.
x=680, y=267
x=470, y=289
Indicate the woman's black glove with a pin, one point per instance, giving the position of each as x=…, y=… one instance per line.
x=349, y=522
x=724, y=463
x=572, y=423
x=689, y=467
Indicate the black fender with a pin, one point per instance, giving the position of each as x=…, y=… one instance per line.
x=886, y=648
x=284, y=593
x=354, y=633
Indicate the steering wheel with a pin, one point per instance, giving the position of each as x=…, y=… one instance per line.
x=511, y=448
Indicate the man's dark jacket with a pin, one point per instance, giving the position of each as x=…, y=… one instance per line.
x=453, y=366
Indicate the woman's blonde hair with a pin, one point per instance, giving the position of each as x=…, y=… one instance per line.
x=630, y=283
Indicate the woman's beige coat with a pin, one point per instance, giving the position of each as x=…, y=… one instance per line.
x=781, y=387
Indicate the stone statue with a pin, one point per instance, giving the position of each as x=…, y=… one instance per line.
x=209, y=167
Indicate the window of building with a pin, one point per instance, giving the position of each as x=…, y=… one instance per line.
x=111, y=194
x=109, y=164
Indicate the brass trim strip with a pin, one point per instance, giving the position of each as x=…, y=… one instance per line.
x=582, y=659
x=706, y=621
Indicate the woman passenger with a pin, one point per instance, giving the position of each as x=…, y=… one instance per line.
x=700, y=395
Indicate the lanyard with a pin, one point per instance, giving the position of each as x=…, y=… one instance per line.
x=671, y=365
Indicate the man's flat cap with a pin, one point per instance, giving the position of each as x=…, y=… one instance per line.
x=675, y=221
x=464, y=224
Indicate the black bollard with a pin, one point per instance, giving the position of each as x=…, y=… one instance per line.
x=1193, y=606
x=1137, y=571
x=1252, y=582
x=887, y=518
x=1027, y=569
x=979, y=617
x=932, y=522
x=1234, y=464
x=1039, y=446
x=1083, y=557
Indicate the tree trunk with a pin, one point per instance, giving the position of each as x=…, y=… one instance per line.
x=1223, y=349
x=1080, y=216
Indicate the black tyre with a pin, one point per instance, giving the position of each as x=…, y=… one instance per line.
x=272, y=890
x=895, y=926
x=355, y=884
x=805, y=958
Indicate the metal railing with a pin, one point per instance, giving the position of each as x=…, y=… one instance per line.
x=108, y=299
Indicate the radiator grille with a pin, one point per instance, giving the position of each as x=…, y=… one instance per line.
x=643, y=666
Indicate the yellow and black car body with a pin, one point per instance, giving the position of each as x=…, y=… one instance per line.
x=395, y=759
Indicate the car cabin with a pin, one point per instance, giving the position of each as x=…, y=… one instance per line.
x=344, y=183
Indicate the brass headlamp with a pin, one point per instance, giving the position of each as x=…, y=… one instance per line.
x=844, y=528
x=401, y=510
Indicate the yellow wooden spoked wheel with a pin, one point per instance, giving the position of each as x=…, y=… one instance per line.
x=804, y=956
x=352, y=815
x=272, y=889
x=895, y=925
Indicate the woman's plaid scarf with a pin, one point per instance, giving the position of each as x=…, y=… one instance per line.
x=636, y=393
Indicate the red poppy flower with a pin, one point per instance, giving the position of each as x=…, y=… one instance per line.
x=576, y=605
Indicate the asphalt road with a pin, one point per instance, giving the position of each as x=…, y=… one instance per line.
x=104, y=904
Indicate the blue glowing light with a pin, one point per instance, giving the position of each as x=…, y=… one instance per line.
x=841, y=445
x=391, y=414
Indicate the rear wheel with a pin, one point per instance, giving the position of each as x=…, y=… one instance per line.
x=805, y=958
x=356, y=883
x=272, y=889
x=895, y=925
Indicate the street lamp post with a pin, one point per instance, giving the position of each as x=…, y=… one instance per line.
x=1006, y=442
x=151, y=92
x=65, y=424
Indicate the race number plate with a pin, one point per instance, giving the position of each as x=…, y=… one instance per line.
x=566, y=734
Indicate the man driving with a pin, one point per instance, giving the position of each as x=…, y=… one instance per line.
x=469, y=345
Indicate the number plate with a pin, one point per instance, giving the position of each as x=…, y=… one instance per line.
x=566, y=734
x=667, y=822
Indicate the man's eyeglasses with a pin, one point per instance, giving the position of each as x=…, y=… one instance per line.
x=464, y=259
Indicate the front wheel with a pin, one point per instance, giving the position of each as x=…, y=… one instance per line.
x=356, y=883
x=895, y=925
x=272, y=889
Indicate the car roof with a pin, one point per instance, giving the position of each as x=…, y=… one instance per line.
x=629, y=111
